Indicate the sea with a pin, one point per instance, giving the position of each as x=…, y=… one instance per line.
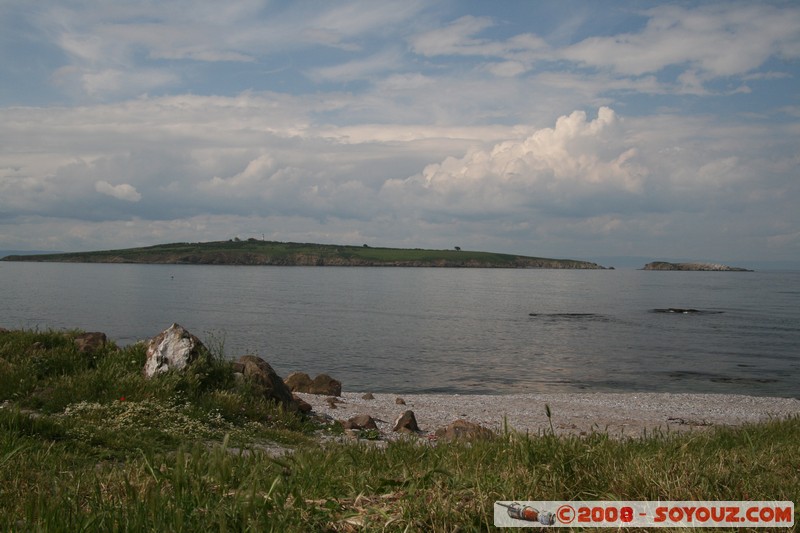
x=436, y=330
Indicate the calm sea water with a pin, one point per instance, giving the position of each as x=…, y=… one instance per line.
x=445, y=330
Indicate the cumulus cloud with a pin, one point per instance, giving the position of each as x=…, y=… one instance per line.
x=123, y=191
x=561, y=169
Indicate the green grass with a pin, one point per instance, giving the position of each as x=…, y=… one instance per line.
x=186, y=452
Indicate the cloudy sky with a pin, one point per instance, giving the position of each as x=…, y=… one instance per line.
x=562, y=129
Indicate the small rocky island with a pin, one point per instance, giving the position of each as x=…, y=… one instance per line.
x=695, y=267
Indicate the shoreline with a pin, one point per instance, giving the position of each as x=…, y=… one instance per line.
x=617, y=414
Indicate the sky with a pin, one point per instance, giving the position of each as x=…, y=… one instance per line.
x=578, y=129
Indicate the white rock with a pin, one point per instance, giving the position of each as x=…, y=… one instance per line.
x=174, y=347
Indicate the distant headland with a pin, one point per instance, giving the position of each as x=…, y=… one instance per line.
x=706, y=267
x=261, y=252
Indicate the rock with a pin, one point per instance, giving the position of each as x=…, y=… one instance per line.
x=331, y=402
x=406, y=423
x=716, y=267
x=261, y=373
x=360, y=422
x=400, y=401
x=298, y=382
x=172, y=348
x=90, y=341
x=463, y=430
x=686, y=311
x=368, y=396
x=302, y=405
x=322, y=384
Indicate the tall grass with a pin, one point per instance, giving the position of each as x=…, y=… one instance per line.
x=187, y=454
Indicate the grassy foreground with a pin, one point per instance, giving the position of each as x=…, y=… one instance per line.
x=88, y=444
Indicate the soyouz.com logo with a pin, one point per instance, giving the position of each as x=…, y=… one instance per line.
x=644, y=514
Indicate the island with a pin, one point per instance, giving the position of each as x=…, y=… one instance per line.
x=695, y=267
x=261, y=252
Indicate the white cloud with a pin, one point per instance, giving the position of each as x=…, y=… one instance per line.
x=720, y=39
x=517, y=53
x=123, y=191
x=262, y=157
x=454, y=39
x=386, y=61
x=556, y=168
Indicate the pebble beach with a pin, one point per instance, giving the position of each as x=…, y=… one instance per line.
x=617, y=414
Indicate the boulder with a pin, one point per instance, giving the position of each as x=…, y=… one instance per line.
x=360, y=422
x=399, y=401
x=322, y=384
x=406, y=423
x=174, y=347
x=298, y=382
x=261, y=373
x=90, y=341
x=463, y=430
x=368, y=396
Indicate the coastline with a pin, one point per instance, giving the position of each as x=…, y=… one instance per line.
x=617, y=414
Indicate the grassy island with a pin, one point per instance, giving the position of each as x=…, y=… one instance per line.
x=88, y=443
x=258, y=252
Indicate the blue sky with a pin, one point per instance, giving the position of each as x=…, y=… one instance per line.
x=559, y=129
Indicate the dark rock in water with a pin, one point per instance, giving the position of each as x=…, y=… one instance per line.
x=174, y=347
x=261, y=373
x=685, y=311
x=463, y=430
x=564, y=315
x=91, y=341
x=360, y=422
x=406, y=423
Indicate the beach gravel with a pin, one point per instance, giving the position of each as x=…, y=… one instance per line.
x=618, y=414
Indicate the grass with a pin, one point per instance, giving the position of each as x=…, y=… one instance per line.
x=187, y=452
